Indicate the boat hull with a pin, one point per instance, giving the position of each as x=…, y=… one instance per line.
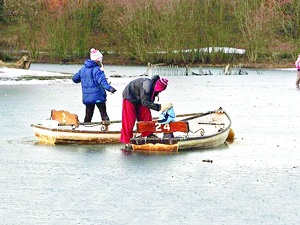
x=207, y=142
x=184, y=143
x=204, y=130
x=60, y=128
x=53, y=136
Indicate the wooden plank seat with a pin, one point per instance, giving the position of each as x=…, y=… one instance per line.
x=155, y=127
x=65, y=118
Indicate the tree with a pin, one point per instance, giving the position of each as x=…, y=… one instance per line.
x=1, y=10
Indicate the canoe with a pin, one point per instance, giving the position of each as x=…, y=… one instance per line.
x=64, y=127
x=200, y=131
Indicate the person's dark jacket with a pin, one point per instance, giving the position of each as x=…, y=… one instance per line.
x=93, y=83
x=140, y=91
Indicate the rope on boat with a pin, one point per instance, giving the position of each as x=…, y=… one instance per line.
x=102, y=126
x=202, y=131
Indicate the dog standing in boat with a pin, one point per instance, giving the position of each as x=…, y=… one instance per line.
x=23, y=63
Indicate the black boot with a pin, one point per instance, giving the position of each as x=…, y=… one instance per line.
x=102, y=108
x=106, y=120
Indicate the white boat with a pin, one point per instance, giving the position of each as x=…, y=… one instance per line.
x=190, y=131
x=64, y=128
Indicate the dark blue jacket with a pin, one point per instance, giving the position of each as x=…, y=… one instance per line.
x=93, y=83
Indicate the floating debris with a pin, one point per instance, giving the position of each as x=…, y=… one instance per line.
x=23, y=63
x=234, y=70
x=168, y=70
x=175, y=70
x=207, y=160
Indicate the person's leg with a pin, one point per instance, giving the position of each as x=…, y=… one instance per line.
x=128, y=121
x=144, y=114
x=298, y=79
x=89, y=112
x=102, y=109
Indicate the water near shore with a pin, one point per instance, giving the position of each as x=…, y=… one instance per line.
x=254, y=180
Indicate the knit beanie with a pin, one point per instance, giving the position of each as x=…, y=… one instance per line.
x=96, y=55
x=161, y=85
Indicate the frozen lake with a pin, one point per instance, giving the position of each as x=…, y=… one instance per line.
x=254, y=180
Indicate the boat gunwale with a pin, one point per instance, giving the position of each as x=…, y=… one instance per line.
x=76, y=130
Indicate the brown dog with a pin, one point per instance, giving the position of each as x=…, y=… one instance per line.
x=23, y=63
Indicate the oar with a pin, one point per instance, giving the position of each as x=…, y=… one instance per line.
x=198, y=115
x=208, y=123
x=99, y=123
x=154, y=118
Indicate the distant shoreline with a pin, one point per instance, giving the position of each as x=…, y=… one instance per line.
x=123, y=62
x=119, y=60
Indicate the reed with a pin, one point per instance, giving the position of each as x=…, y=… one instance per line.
x=1, y=10
x=71, y=29
x=154, y=31
x=175, y=32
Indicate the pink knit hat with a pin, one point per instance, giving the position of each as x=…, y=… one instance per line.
x=96, y=55
x=161, y=85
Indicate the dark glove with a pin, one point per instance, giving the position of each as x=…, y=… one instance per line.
x=112, y=90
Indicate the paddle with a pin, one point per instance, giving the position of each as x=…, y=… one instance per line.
x=99, y=123
x=198, y=115
x=154, y=118
x=208, y=123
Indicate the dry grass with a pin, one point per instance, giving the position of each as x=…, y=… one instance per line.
x=131, y=26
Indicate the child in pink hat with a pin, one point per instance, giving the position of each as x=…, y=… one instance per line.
x=94, y=86
x=138, y=100
x=297, y=64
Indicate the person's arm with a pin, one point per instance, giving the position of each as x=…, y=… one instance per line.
x=145, y=96
x=101, y=80
x=76, y=78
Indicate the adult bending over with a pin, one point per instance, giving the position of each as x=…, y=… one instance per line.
x=138, y=99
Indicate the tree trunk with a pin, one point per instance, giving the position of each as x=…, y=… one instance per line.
x=1, y=9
